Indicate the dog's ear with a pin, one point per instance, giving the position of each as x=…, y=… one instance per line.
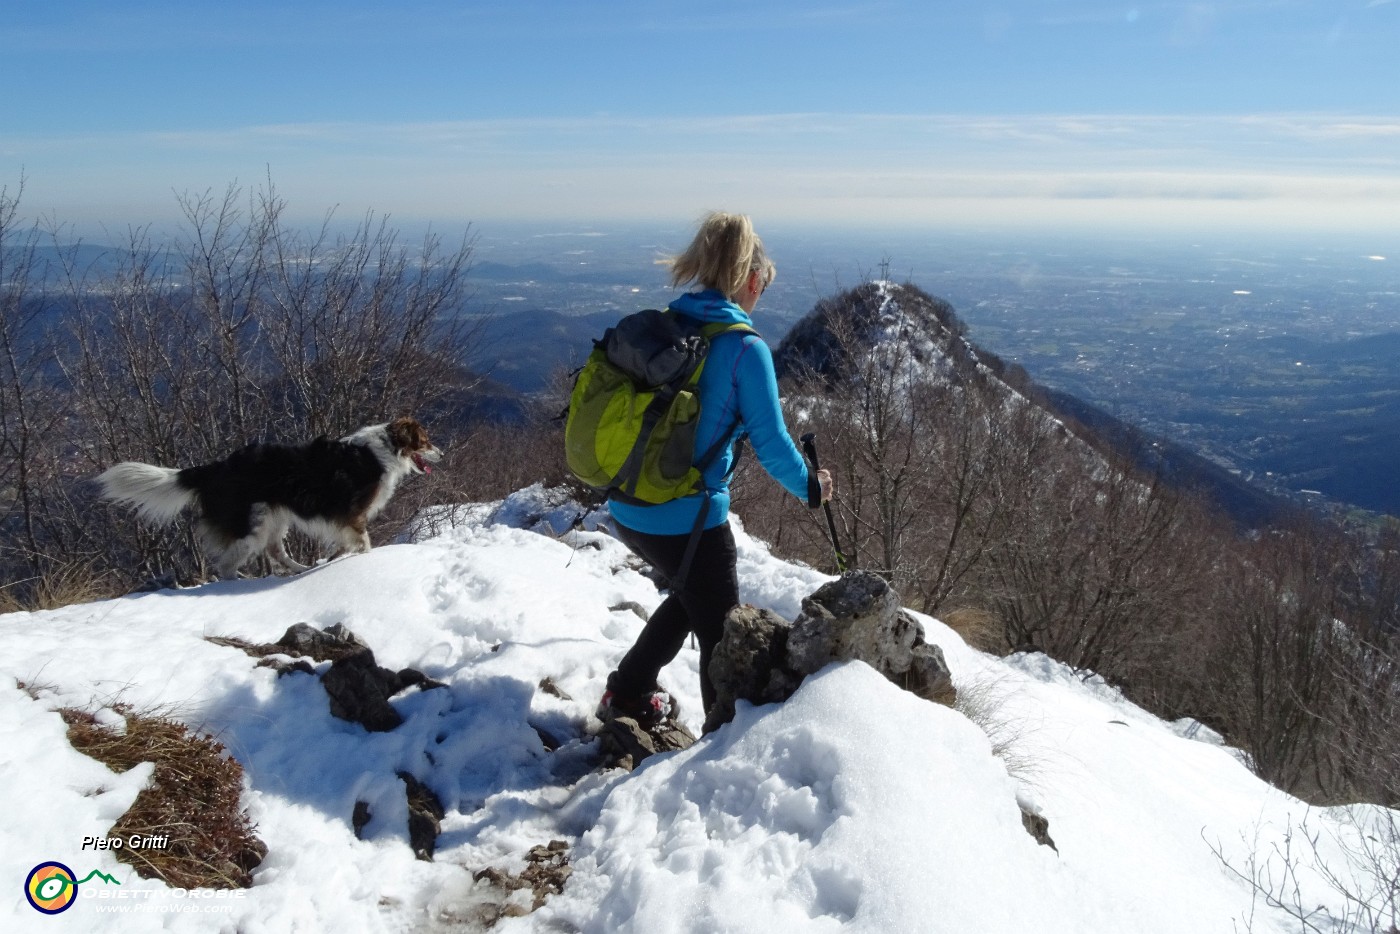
x=406, y=434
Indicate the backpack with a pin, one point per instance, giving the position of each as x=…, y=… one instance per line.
x=634, y=408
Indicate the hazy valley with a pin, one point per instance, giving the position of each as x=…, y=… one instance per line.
x=1275, y=361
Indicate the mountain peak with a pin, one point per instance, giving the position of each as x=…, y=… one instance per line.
x=882, y=317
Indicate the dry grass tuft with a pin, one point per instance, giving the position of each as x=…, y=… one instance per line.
x=36, y=690
x=67, y=584
x=984, y=703
x=193, y=800
x=59, y=585
x=979, y=628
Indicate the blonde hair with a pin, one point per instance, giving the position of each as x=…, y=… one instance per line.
x=722, y=255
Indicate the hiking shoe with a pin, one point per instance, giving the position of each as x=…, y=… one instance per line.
x=647, y=709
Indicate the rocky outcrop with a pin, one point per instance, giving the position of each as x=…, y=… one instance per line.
x=762, y=658
x=750, y=663
x=330, y=644
x=1038, y=827
x=858, y=617
x=624, y=742
x=359, y=689
x=425, y=814
x=546, y=871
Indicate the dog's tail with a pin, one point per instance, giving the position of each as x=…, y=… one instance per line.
x=156, y=492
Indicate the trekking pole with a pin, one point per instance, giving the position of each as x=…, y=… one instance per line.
x=809, y=447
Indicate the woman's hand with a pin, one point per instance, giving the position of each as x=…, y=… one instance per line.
x=828, y=485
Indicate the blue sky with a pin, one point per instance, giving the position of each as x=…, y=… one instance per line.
x=1059, y=113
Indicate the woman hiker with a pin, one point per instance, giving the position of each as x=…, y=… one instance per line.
x=738, y=394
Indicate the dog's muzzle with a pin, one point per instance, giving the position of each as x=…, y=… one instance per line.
x=423, y=460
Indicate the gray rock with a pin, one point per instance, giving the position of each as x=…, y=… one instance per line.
x=854, y=617
x=359, y=690
x=631, y=606
x=625, y=743
x=859, y=617
x=425, y=814
x=761, y=658
x=1039, y=829
x=333, y=642
x=360, y=818
x=750, y=663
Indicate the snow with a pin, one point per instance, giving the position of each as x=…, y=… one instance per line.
x=853, y=807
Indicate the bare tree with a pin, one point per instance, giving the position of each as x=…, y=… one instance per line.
x=361, y=324
x=241, y=331
x=1101, y=570
x=19, y=312
x=1353, y=854
x=1277, y=626
x=989, y=450
x=1362, y=718
x=35, y=457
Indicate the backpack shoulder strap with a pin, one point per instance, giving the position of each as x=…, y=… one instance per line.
x=711, y=331
x=716, y=328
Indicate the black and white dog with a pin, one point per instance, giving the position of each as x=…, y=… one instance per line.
x=247, y=501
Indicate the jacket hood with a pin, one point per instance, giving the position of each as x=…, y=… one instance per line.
x=710, y=306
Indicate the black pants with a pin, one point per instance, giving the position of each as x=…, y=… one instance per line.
x=710, y=591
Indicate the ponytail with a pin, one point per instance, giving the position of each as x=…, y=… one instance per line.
x=723, y=254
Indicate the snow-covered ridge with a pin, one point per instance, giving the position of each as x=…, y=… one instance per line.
x=854, y=806
x=916, y=340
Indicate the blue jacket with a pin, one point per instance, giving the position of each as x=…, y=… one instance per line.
x=737, y=383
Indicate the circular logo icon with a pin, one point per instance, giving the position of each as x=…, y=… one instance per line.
x=50, y=888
